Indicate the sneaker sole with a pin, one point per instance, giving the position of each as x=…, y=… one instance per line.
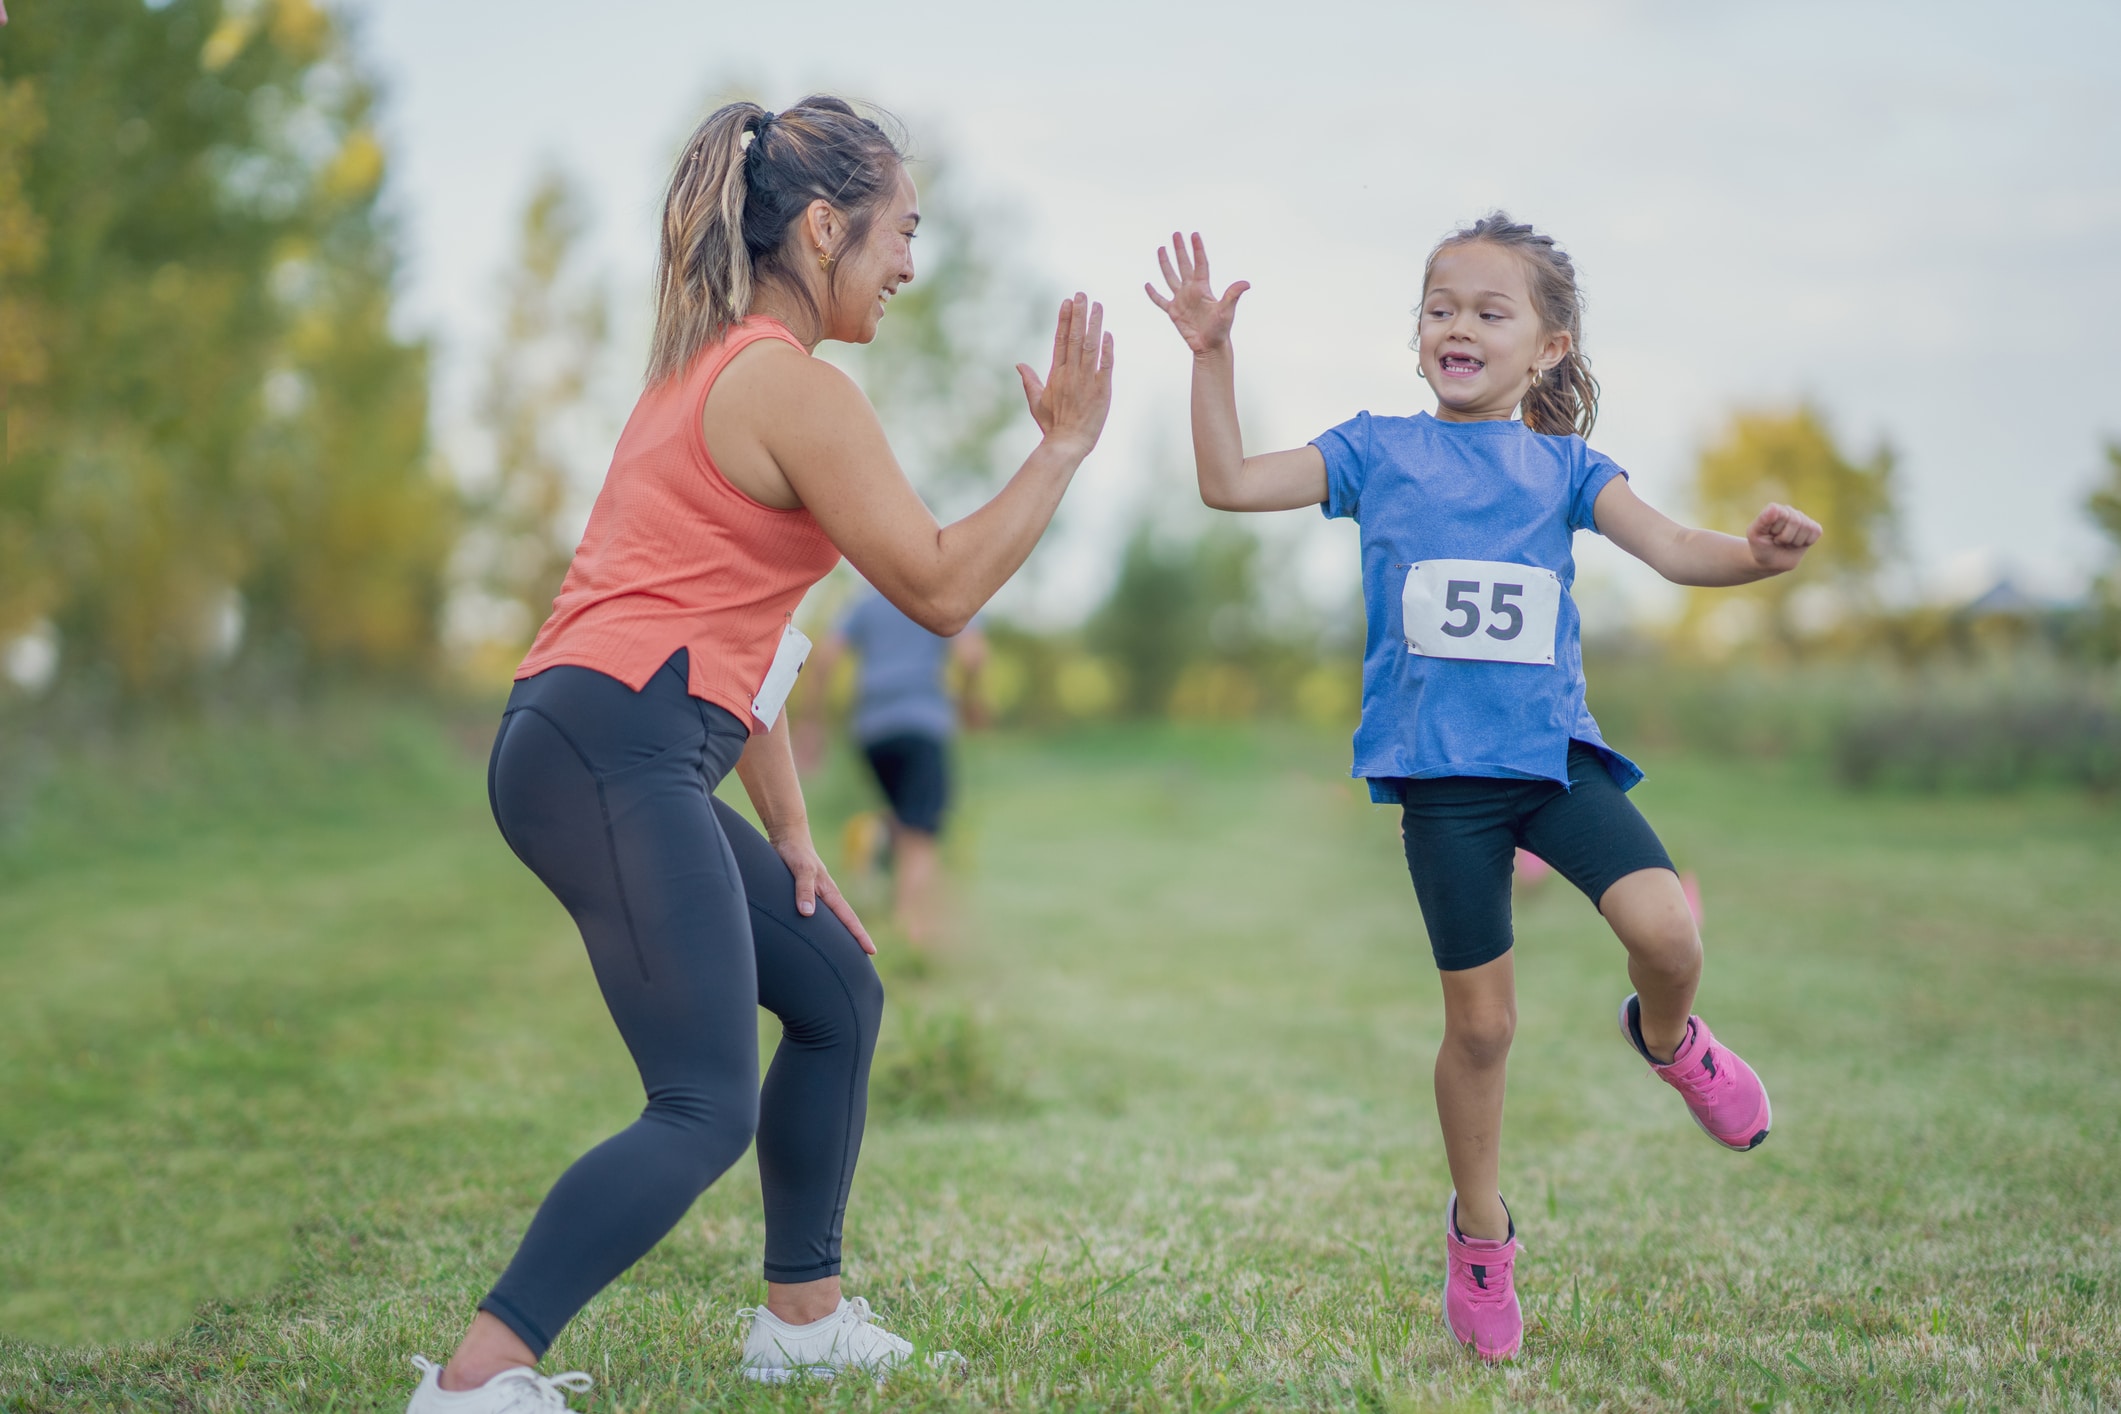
x=776, y=1375
x=773, y=1375
x=781, y=1374
x=1627, y=1034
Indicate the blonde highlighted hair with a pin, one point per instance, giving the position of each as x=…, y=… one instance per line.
x=745, y=177
x=1565, y=399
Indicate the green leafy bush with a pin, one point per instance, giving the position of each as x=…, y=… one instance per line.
x=938, y=1064
x=1998, y=744
x=2011, y=722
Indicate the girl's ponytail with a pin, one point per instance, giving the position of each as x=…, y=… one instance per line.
x=746, y=176
x=1565, y=399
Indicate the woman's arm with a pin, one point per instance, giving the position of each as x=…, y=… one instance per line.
x=1709, y=559
x=824, y=439
x=1229, y=480
x=767, y=769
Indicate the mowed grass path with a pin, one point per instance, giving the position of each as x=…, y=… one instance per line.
x=286, y=1061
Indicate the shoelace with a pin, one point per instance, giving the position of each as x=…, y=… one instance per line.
x=1706, y=1075
x=527, y=1390
x=1496, y=1291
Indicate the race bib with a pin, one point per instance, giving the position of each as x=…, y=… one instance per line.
x=788, y=660
x=1481, y=609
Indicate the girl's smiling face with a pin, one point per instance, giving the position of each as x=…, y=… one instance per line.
x=1480, y=337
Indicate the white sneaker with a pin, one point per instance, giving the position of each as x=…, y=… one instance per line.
x=518, y=1391
x=848, y=1339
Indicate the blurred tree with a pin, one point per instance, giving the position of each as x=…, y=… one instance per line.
x=353, y=526
x=1175, y=604
x=1791, y=457
x=225, y=422
x=24, y=581
x=554, y=322
x=2100, y=634
x=2104, y=503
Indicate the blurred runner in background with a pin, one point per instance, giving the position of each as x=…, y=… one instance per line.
x=903, y=720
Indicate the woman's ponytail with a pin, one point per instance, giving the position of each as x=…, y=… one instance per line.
x=746, y=176
x=1565, y=399
x=703, y=273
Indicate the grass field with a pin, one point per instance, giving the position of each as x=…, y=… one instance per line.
x=290, y=1046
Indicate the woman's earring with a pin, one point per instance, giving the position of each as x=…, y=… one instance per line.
x=1536, y=376
x=824, y=261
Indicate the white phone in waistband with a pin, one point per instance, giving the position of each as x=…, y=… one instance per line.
x=788, y=660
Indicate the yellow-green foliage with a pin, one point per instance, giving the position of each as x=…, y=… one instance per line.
x=21, y=344
x=210, y=421
x=552, y=333
x=1791, y=456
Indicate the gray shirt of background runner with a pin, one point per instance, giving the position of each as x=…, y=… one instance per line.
x=898, y=685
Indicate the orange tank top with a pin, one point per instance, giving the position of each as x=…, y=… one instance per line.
x=676, y=557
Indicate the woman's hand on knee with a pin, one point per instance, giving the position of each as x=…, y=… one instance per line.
x=813, y=881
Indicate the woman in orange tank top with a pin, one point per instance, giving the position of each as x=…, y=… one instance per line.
x=747, y=470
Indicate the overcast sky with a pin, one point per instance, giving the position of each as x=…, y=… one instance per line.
x=1909, y=213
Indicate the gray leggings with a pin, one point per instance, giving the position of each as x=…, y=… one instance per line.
x=689, y=917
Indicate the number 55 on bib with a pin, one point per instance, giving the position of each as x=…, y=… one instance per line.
x=1483, y=610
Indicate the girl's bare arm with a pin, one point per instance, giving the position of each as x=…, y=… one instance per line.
x=1774, y=544
x=1229, y=480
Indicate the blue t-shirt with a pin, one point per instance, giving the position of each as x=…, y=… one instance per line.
x=898, y=684
x=1428, y=490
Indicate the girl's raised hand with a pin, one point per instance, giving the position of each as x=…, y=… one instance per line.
x=1779, y=536
x=1202, y=320
x=1070, y=405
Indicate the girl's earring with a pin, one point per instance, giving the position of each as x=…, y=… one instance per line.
x=1536, y=376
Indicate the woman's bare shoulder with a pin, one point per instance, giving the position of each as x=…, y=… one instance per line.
x=782, y=376
x=776, y=411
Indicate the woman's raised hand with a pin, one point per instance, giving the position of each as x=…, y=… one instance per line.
x=1202, y=320
x=1070, y=405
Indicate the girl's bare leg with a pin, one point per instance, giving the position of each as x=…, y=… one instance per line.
x=1648, y=912
x=1479, y=1020
x=916, y=862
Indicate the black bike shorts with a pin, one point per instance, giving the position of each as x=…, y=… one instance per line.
x=1462, y=835
x=913, y=769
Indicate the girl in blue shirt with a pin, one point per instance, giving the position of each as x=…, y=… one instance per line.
x=1473, y=715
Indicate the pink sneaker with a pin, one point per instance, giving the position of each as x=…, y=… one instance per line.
x=1479, y=1298
x=1726, y=1099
